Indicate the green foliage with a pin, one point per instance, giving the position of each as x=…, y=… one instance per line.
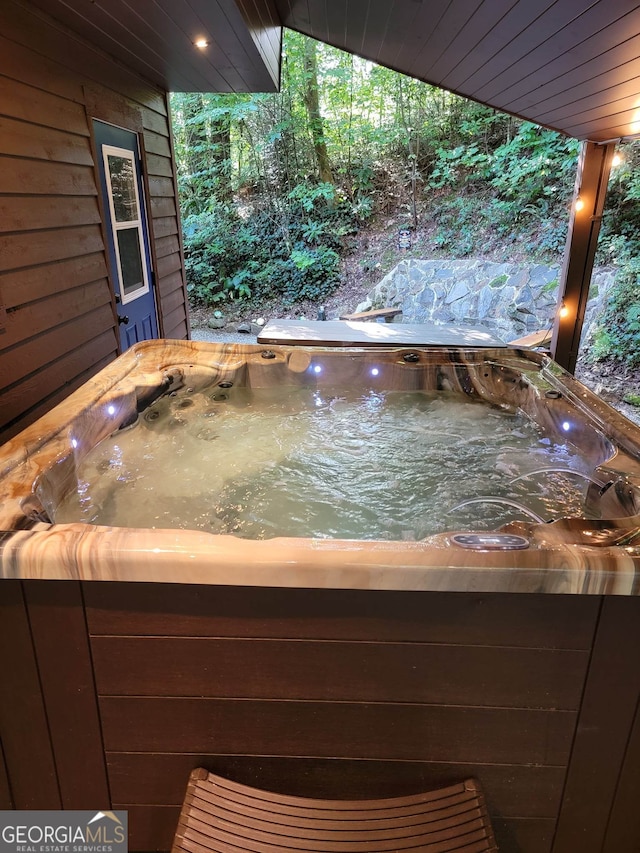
x=308, y=196
x=620, y=234
x=456, y=220
x=535, y=166
x=617, y=335
x=314, y=274
x=217, y=245
x=291, y=252
x=498, y=281
x=520, y=177
x=455, y=164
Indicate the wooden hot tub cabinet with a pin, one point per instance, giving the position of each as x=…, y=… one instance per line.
x=113, y=692
x=319, y=666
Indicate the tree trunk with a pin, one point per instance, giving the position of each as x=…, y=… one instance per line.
x=311, y=102
x=221, y=156
x=207, y=150
x=195, y=135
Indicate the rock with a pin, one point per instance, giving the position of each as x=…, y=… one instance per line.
x=426, y=298
x=485, y=298
x=511, y=298
x=519, y=278
x=458, y=291
x=445, y=272
x=244, y=328
x=543, y=275
x=216, y=322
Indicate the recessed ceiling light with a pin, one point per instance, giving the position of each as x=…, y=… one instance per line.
x=201, y=43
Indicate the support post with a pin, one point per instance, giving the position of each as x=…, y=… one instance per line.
x=592, y=179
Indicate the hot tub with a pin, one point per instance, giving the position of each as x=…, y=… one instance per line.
x=503, y=648
x=590, y=549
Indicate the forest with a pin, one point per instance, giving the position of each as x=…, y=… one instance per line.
x=283, y=196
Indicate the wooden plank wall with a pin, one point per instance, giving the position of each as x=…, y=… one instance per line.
x=599, y=811
x=57, y=319
x=6, y=797
x=52, y=753
x=24, y=729
x=335, y=693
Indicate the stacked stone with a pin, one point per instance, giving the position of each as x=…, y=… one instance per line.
x=510, y=299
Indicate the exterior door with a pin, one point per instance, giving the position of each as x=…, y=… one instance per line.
x=121, y=181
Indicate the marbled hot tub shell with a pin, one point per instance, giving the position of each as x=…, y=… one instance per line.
x=325, y=667
x=596, y=554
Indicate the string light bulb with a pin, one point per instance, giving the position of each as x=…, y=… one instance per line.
x=578, y=204
x=617, y=159
x=564, y=311
x=201, y=44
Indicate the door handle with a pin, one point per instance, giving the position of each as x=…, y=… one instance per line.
x=122, y=318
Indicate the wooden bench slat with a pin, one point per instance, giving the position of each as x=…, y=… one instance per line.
x=387, y=313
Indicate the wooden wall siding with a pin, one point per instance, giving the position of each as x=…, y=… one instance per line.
x=51, y=753
x=413, y=672
x=60, y=325
x=347, y=693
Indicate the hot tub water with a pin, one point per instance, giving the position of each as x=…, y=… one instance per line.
x=333, y=463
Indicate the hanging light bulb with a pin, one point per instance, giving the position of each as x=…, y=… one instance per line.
x=617, y=159
x=563, y=311
x=578, y=204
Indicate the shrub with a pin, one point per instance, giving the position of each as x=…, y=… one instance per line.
x=456, y=220
x=217, y=244
x=290, y=248
x=617, y=334
x=314, y=274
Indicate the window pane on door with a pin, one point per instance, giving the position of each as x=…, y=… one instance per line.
x=123, y=188
x=130, y=259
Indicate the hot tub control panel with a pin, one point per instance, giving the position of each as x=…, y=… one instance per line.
x=490, y=541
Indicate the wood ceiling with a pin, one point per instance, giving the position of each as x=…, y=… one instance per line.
x=572, y=65
x=156, y=38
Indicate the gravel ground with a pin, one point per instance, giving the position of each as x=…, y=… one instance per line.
x=221, y=336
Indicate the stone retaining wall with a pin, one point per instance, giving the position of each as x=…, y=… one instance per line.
x=510, y=299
